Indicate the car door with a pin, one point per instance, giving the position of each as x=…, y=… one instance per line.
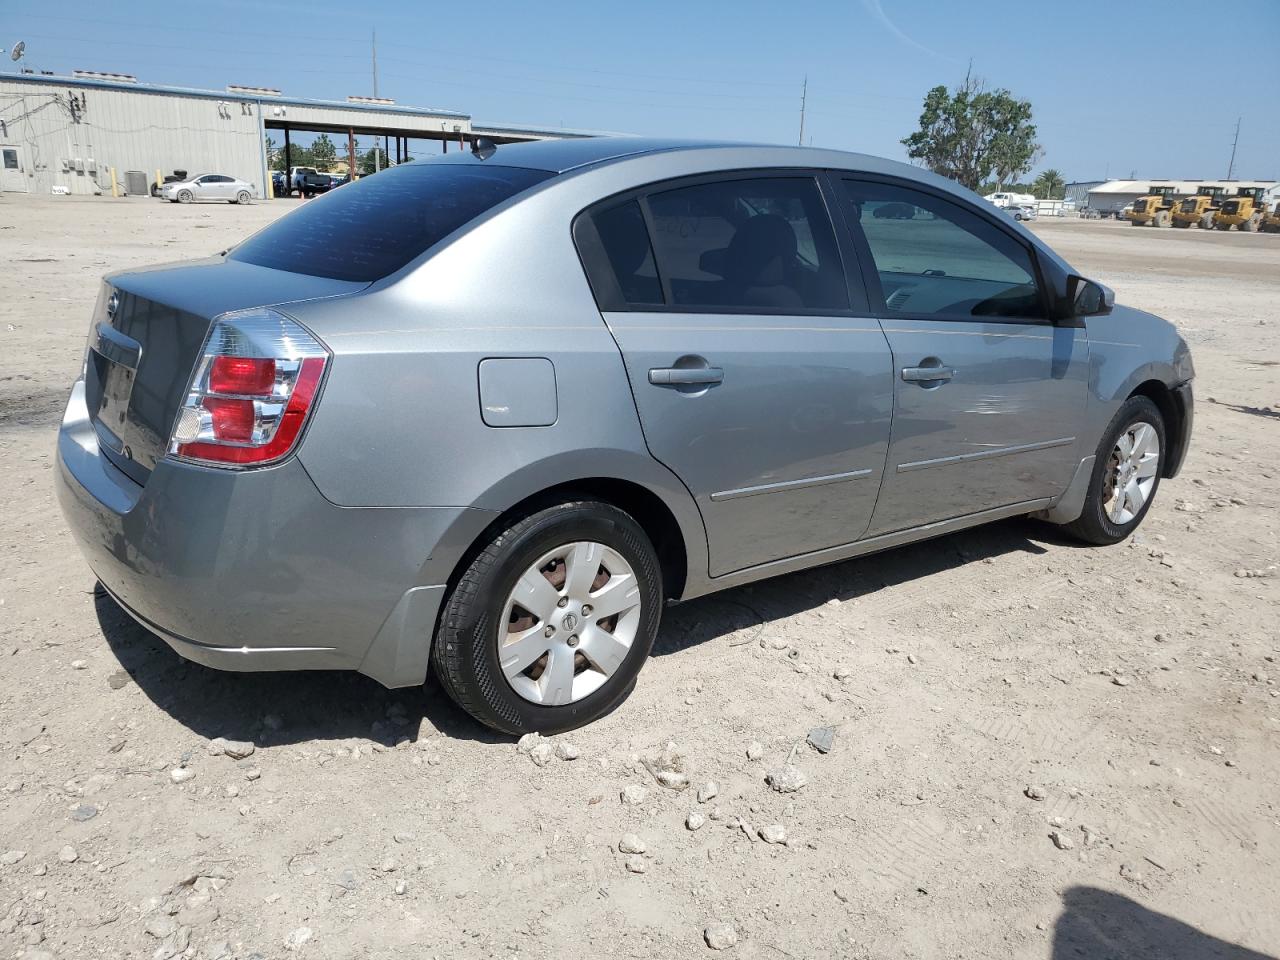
x=757, y=379
x=989, y=394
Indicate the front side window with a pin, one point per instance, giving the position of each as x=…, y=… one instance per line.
x=935, y=257
x=764, y=244
x=374, y=226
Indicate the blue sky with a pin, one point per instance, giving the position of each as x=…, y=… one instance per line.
x=1118, y=87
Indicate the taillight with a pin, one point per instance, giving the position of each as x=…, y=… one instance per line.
x=251, y=393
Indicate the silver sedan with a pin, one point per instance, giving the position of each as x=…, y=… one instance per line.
x=539, y=391
x=208, y=186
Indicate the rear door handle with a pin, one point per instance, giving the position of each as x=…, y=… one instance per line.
x=927, y=374
x=664, y=376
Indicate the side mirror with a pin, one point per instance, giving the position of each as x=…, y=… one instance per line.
x=1089, y=298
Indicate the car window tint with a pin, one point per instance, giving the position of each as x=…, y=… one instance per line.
x=374, y=226
x=625, y=240
x=763, y=244
x=935, y=257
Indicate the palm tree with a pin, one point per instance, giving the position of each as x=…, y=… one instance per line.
x=1051, y=184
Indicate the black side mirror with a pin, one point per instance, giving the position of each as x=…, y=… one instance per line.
x=1088, y=298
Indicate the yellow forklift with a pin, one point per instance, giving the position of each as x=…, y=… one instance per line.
x=1244, y=211
x=1156, y=208
x=1200, y=208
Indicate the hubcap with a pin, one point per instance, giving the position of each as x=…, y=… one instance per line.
x=568, y=623
x=1131, y=472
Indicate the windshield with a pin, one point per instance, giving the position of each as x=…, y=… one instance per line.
x=374, y=226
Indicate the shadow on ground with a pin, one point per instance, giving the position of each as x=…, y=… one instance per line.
x=1099, y=925
x=321, y=705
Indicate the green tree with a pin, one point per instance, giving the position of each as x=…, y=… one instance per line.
x=323, y=152
x=973, y=134
x=368, y=164
x=1050, y=184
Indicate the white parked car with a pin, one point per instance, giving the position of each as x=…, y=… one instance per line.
x=208, y=186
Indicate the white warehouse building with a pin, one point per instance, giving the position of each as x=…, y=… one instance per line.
x=67, y=134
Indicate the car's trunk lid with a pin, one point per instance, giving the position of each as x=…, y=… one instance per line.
x=148, y=329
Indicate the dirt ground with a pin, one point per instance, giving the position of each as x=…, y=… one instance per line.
x=986, y=690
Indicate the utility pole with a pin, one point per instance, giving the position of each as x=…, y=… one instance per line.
x=374, y=42
x=1232, y=165
x=804, y=93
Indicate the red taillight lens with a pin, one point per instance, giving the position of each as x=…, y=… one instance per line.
x=252, y=392
x=232, y=419
x=251, y=376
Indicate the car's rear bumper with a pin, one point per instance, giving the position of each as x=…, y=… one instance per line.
x=255, y=570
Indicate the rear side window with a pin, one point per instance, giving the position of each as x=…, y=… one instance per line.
x=934, y=257
x=756, y=245
x=373, y=227
x=619, y=257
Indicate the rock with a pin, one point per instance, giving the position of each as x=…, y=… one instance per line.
x=346, y=879
x=773, y=833
x=755, y=750
x=68, y=854
x=708, y=791
x=672, y=779
x=566, y=751
x=694, y=820
x=842, y=672
x=1061, y=840
x=231, y=790
x=160, y=925
x=235, y=749
x=297, y=938
x=119, y=680
x=172, y=945
x=79, y=664
x=822, y=738
x=636, y=864
x=1034, y=792
x=11, y=857
x=912, y=658
x=199, y=910
x=633, y=794
x=181, y=774
x=401, y=888
x=526, y=743
x=542, y=754
x=1120, y=681
x=630, y=843
x=253, y=773
x=786, y=779
x=720, y=936
x=220, y=950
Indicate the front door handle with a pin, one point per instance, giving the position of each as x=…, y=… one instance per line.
x=929, y=372
x=664, y=376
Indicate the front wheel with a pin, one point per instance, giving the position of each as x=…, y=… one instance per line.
x=1126, y=474
x=549, y=625
x=184, y=196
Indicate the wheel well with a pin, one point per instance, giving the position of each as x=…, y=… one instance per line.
x=646, y=507
x=1162, y=397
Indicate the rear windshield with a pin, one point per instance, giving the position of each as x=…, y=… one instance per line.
x=368, y=229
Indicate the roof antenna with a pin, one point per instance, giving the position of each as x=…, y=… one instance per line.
x=482, y=148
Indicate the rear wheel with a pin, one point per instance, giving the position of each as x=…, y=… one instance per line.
x=1126, y=474
x=243, y=196
x=1250, y=225
x=549, y=625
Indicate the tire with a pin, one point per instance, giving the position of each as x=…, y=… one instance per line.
x=466, y=648
x=184, y=196
x=1206, y=222
x=1161, y=219
x=1182, y=224
x=1096, y=525
x=243, y=197
x=1249, y=226
x=1224, y=227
